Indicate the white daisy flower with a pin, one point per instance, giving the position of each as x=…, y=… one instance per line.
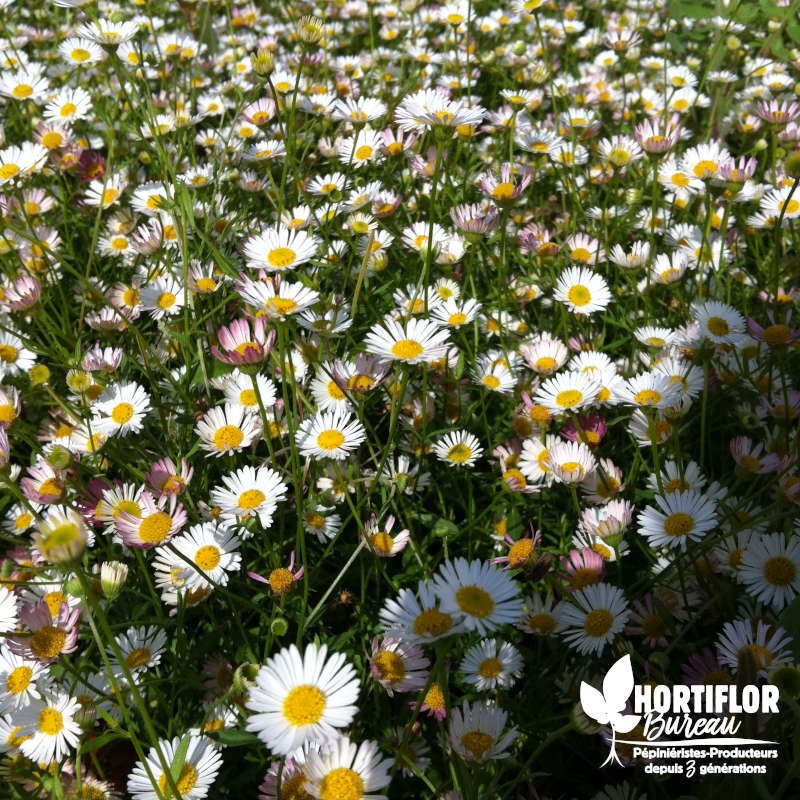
x=770, y=569
x=249, y=492
x=582, y=290
x=239, y=391
x=491, y=664
x=20, y=681
x=200, y=766
x=140, y=649
x=486, y=597
x=330, y=434
x=476, y=732
x=213, y=548
x=680, y=517
x=280, y=249
x=414, y=341
x=418, y=621
x=748, y=640
x=8, y=608
x=302, y=699
x=458, y=449
x=568, y=391
x=121, y=409
x=228, y=429
x=347, y=771
x=594, y=617
x=50, y=727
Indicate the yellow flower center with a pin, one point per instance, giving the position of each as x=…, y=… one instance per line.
x=335, y=391
x=50, y=721
x=22, y=91
x=304, y=705
x=780, y=571
x=520, y=552
x=281, y=257
x=8, y=171
x=598, y=623
x=543, y=623
x=435, y=698
x=68, y=109
x=330, y=440
x=206, y=285
x=569, y=398
x=363, y=153
x=341, y=784
x=155, y=528
x=647, y=397
x=47, y=642
x=705, y=168
x=51, y=488
x=579, y=295
x=390, y=666
x=228, y=437
x=406, y=349
x=459, y=454
x=718, y=326
x=250, y=499
x=490, y=668
x=52, y=140
x=184, y=784
x=138, y=657
x=775, y=335
x=281, y=305
x=18, y=680
x=432, y=622
x=503, y=191
x=457, y=319
x=381, y=543
x=8, y=353
x=208, y=557
x=584, y=577
x=281, y=580
x=678, y=524
x=128, y=507
x=761, y=656
x=248, y=397
x=474, y=601
x=122, y=413
x=477, y=743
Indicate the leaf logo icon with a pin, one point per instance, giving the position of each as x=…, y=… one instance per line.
x=607, y=708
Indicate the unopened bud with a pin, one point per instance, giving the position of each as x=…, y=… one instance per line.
x=309, y=29
x=262, y=62
x=113, y=575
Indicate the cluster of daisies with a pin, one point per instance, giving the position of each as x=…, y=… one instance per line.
x=372, y=375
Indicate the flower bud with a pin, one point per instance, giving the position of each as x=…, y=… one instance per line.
x=61, y=536
x=113, y=575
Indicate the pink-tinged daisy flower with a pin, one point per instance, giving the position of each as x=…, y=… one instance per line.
x=483, y=596
x=507, y=190
x=284, y=780
x=750, y=456
x=398, y=666
x=595, y=616
x=521, y=552
x=704, y=668
x=298, y=699
x=155, y=525
x=776, y=334
x=244, y=342
x=166, y=478
x=380, y=539
x=43, y=484
x=433, y=704
x=44, y=638
x=281, y=579
x=476, y=732
x=745, y=644
x=582, y=568
x=590, y=429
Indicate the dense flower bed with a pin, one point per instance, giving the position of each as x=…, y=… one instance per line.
x=372, y=375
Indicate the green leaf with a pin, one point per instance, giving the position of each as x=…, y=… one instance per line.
x=444, y=528
x=793, y=32
x=231, y=737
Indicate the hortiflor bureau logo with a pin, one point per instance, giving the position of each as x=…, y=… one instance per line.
x=681, y=723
